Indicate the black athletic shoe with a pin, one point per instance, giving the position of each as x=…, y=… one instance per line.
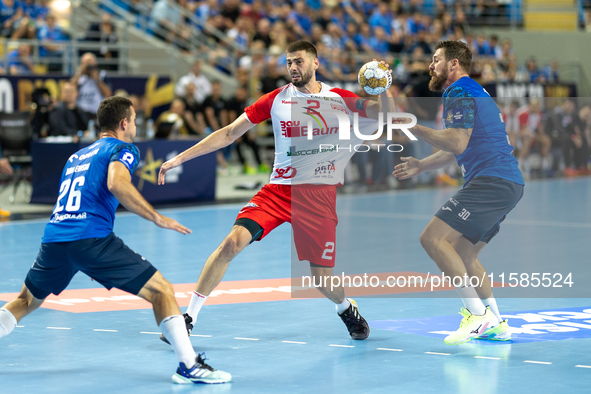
x=356, y=324
x=188, y=322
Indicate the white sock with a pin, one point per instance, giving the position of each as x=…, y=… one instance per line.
x=197, y=301
x=7, y=322
x=492, y=304
x=343, y=306
x=471, y=300
x=175, y=330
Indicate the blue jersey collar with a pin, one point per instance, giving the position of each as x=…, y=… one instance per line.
x=458, y=80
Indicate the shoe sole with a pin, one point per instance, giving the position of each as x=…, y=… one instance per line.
x=494, y=338
x=163, y=339
x=176, y=378
x=359, y=338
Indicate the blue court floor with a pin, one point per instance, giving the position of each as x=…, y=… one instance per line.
x=300, y=345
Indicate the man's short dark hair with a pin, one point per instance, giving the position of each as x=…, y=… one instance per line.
x=112, y=111
x=301, y=45
x=457, y=50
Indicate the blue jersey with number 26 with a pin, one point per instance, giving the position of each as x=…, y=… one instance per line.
x=466, y=105
x=85, y=207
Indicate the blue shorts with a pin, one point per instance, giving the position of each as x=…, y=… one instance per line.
x=478, y=209
x=107, y=260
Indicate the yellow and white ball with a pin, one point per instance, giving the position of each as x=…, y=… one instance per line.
x=374, y=77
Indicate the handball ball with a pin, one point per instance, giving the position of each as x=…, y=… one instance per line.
x=374, y=78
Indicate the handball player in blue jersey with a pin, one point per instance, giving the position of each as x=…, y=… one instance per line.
x=79, y=237
x=473, y=134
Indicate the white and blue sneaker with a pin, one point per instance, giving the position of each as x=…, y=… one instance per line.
x=199, y=373
x=500, y=332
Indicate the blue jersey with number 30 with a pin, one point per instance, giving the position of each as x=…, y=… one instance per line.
x=466, y=105
x=85, y=207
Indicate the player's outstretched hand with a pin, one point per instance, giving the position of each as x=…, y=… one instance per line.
x=384, y=63
x=165, y=222
x=168, y=165
x=408, y=168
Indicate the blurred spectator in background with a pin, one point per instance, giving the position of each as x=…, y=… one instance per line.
x=10, y=12
x=214, y=108
x=20, y=61
x=531, y=134
x=201, y=83
x=299, y=20
x=533, y=73
x=26, y=26
x=6, y=169
x=92, y=87
x=51, y=35
x=235, y=107
x=274, y=78
x=193, y=115
x=216, y=117
x=263, y=32
x=511, y=119
x=165, y=20
x=104, y=32
x=66, y=118
x=141, y=121
x=171, y=124
x=240, y=32
x=567, y=133
x=552, y=72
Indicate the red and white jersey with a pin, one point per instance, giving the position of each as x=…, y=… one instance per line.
x=531, y=120
x=322, y=157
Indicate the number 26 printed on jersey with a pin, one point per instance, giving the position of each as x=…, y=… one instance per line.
x=70, y=188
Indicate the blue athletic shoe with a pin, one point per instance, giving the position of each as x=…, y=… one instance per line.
x=199, y=373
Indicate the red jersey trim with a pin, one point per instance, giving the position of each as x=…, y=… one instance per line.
x=261, y=109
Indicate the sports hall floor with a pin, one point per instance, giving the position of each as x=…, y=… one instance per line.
x=89, y=340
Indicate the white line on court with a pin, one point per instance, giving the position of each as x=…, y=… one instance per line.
x=582, y=366
x=439, y=354
x=537, y=362
x=341, y=345
x=58, y=328
x=147, y=332
x=247, y=339
x=391, y=350
x=202, y=336
x=488, y=358
x=101, y=330
x=298, y=343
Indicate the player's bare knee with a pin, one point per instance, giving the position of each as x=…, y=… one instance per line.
x=165, y=290
x=427, y=240
x=157, y=289
x=231, y=246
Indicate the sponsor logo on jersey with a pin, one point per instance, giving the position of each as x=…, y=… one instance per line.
x=458, y=115
x=285, y=173
x=59, y=217
x=449, y=118
x=325, y=169
x=307, y=152
x=288, y=102
x=86, y=155
x=296, y=128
